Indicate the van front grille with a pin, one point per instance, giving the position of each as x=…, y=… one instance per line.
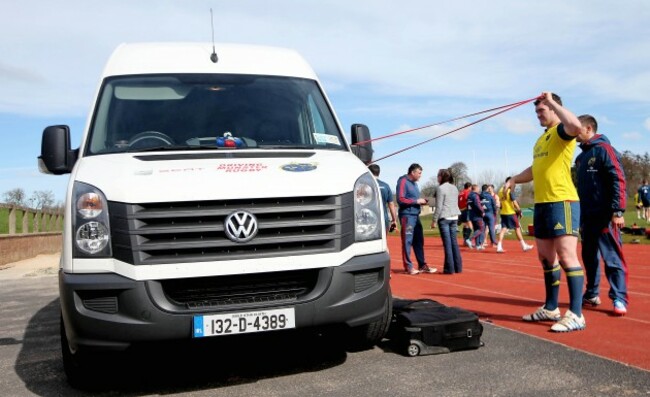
x=240, y=290
x=161, y=233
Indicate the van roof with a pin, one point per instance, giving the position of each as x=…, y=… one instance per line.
x=153, y=58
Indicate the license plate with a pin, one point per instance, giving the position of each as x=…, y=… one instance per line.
x=243, y=322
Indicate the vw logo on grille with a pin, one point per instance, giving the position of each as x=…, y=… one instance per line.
x=241, y=226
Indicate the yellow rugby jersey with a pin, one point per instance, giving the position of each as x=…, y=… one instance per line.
x=507, y=207
x=552, y=157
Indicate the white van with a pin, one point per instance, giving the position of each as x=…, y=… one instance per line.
x=214, y=195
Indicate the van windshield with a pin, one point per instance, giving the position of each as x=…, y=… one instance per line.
x=208, y=111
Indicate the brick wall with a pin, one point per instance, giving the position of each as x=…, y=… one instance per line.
x=17, y=247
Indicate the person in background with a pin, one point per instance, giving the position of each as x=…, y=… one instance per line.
x=638, y=204
x=497, y=201
x=386, y=198
x=409, y=202
x=476, y=214
x=644, y=197
x=495, y=196
x=446, y=217
x=463, y=219
x=557, y=211
x=510, y=216
x=490, y=207
x=601, y=188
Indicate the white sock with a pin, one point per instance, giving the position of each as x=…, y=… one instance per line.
x=523, y=244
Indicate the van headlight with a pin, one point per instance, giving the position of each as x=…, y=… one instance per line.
x=90, y=222
x=367, y=212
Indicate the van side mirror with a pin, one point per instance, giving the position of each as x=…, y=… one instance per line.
x=56, y=156
x=361, y=145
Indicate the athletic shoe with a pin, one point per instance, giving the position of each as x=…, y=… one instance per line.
x=528, y=247
x=427, y=269
x=570, y=322
x=480, y=248
x=543, y=314
x=469, y=245
x=619, y=308
x=412, y=272
x=500, y=250
x=595, y=301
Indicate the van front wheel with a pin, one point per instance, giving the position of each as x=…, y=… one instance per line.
x=367, y=336
x=75, y=364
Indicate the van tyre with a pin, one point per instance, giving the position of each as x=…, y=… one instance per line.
x=75, y=364
x=367, y=336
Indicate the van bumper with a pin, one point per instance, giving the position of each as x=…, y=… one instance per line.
x=107, y=311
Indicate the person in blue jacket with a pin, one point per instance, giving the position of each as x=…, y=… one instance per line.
x=476, y=214
x=490, y=206
x=409, y=202
x=644, y=198
x=387, y=201
x=601, y=188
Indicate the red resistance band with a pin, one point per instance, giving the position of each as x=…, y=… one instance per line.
x=504, y=108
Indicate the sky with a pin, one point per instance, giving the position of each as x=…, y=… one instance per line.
x=391, y=65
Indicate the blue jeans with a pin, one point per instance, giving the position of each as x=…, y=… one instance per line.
x=489, y=223
x=412, y=237
x=448, y=233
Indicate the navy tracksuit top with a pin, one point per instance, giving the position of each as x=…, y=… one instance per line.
x=408, y=194
x=488, y=203
x=601, y=179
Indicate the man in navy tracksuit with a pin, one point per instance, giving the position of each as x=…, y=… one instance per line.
x=601, y=187
x=490, y=206
x=476, y=214
x=409, y=202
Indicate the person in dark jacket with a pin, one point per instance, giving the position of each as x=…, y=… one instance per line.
x=476, y=213
x=601, y=187
x=409, y=202
x=487, y=200
x=644, y=199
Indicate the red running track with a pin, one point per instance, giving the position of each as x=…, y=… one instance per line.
x=501, y=288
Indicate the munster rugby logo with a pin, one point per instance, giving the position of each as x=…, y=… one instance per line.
x=240, y=226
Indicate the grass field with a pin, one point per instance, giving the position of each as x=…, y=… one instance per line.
x=4, y=221
x=630, y=219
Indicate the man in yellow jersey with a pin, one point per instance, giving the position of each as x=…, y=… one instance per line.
x=510, y=213
x=557, y=211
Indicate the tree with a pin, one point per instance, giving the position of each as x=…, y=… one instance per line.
x=429, y=188
x=636, y=168
x=42, y=199
x=459, y=173
x=15, y=197
x=490, y=177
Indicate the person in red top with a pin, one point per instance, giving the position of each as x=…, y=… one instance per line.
x=463, y=219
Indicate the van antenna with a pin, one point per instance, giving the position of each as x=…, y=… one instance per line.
x=213, y=57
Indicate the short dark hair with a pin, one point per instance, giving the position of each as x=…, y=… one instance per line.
x=374, y=169
x=589, y=120
x=414, y=166
x=467, y=184
x=555, y=97
x=484, y=188
x=508, y=178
